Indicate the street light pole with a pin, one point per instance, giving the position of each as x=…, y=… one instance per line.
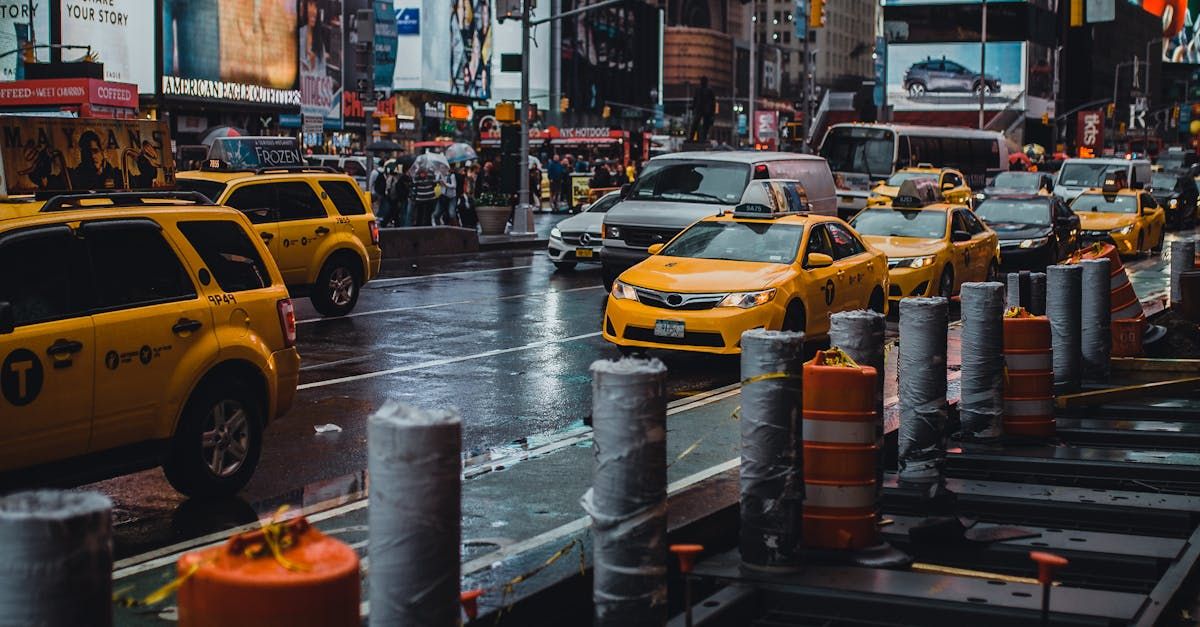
x=521, y=216
x=751, y=123
x=982, y=61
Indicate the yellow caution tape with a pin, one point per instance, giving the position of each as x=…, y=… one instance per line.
x=768, y=376
x=122, y=598
x=1017, y=312
x=837, y=357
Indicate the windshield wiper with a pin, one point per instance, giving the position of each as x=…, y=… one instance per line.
x=700, y=195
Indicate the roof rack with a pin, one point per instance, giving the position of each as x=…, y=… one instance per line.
x=67, y=202
x=296, y=168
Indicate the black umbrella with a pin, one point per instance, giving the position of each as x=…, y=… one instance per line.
x=384, y=145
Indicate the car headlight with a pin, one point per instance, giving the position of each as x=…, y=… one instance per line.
x=1125, y=230
x=624, y=291
x=746, y=300
x=1035, y=243
x=914, y=262
x=555, y=233
x=1174, y=203
x=980, y=196
x=612, y=232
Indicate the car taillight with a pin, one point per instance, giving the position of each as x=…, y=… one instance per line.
x=760, y=171
x=374, y=232
x=287, y=321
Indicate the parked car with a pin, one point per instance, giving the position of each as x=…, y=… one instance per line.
x=1007, y=183
x=676, y=190
x=1176, y=191
x=578, y=238
x=356, y=167
x=945, y=75
x=1035, y=230
x=1079, y=175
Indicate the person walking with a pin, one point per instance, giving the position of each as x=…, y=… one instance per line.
x=555, y=171
x=447, y=204
x=424, y=196
x=466, y=200
x=398, y=193
x=379, y=200
x=535, y=187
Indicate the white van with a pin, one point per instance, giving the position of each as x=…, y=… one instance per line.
x=675, y=190
x=1079, y=175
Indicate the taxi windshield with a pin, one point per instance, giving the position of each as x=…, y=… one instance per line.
x=899, y=177
x=896, y=223
x=996, y=211
x=692, y=181
x=1112, y=203
x=211, y=189
x=763, y=242
x=1086, y=174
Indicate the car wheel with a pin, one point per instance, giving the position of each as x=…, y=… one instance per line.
x=946, y=283
x=564, y=266
x=877, y=301
x=916, y=90
x=1141, y=245
x=337, y=287
x=993, y=272
x=218, y=442
x=795, y=319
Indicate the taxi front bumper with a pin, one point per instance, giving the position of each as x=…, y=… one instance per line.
x=716, y=331
x=286, y=366
x=906, y=282
x=1125, y=244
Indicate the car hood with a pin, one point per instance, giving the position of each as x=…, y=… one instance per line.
x=895, y=247
x=683, y=274
x=657, y=213
x=1019, y=230
x=1104, y=221
x=584, y=222
x=886, y=190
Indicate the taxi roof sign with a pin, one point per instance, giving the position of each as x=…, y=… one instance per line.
x=772, y=198
x=47, y=156
x=916, y=193
x=1114, y=181
x=253, y=153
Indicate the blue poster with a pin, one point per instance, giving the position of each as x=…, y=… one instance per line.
x=800, y=19
x=385, y=44
x=408, y=21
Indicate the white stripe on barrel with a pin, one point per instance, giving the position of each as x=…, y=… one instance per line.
x=1029, y=407
x=838, y=431
x=819, y=495
x=1029, y=361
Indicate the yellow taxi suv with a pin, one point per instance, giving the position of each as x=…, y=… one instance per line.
x=1129, y=219
x=951, y=183
x=766, y=264
x=932, y=246
x=139, y=329
x=316, y=223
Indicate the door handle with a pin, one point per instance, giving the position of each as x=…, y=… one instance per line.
x=321, y=230
x=186, y=325
x=62, y=347
x=267, y=236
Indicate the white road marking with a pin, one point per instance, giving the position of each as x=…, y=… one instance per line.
x=381, y=283
x=375, y=312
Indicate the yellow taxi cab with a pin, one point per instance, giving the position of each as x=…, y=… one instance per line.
x=933, y=246
x=951, y=182
x=768, y=263
x=316, y=222
x=1130, y=219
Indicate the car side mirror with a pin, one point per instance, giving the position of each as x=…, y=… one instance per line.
x=625, y=189
x=947, y=187
x=819, y=260
x=7, y=322
x=960, y=236
x=654, y=249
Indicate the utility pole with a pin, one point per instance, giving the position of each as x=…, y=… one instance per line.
x=364, y=61
x=751, y=123
x=808, y=76
x=555, y=107
x=982, y=61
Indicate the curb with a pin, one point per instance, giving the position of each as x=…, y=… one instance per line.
x=514, y=244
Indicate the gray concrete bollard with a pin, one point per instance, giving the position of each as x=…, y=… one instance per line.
x=56, y=558
x=1183, y=257
x=628, y=497
x=982, y=405
x=414, y=520
x=861, y=334
x=922, y=370
x=1037, y=293
x=1064, y=293
x=1095, y=318
x=772, y=469
x=1019, y=289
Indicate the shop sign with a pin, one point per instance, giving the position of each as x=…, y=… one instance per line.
x=434, y=109
x=592, y=132
x=1090, y=129
x=254, y=152
x=220, y=90
x=72, y=91
x=406, y=126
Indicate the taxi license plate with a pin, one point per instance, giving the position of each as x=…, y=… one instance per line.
x=584, y=253
x=668, y=328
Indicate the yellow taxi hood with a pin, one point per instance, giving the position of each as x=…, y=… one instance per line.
x=1104, y=221
x=886, y=190
x=684, y=274
x=896, y=247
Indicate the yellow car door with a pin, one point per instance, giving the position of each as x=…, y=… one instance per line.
x=149, y=322
x=257, y=201
x=960, y=251
x=851, y=271
x=47, y=348
x=1153, y=219
x=820, y=282
x=982, y=246
x=303, y=224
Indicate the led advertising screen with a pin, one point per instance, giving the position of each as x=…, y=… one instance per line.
x=23, y=23
x=946, y=76
x=610, y=55
x=1181, y=33
x=471, y=49
x=117, y=31
x=321, y=61
x=423, y=32
x=231, y=50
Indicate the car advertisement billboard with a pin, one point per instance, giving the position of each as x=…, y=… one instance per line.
x=471, y=49
x=946, y=76
x=43, y=155
x=231, y=50
x=321, y=61
x=23, y=23
x=120, y=33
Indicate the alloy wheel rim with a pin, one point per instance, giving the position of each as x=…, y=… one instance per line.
x=225, y=445
x=341, y=286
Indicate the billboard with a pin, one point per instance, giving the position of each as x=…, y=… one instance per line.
x=385, y=44
x=321, y=61
x=1089, y=131
x=610, y=55
x=1180, y=30
x=67, y=154
x=22, y=23
x=471, y=49
x=231, y=50
x=423, y=32
x=120, y=33
x=946, y=76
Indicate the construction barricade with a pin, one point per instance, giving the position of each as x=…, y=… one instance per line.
x=1029, y=375
x=1125, y=303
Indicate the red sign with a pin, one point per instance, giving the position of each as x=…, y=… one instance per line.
x=1089, y=132
x=68, y=91
x=766, y=129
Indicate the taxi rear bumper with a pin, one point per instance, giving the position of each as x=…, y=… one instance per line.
x=286, y=366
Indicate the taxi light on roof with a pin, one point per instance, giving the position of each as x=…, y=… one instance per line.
x=916, y=193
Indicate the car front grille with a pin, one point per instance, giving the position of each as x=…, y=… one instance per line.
x=642, y=236
x=575, y=239
x=673, y=300
x=690, y=338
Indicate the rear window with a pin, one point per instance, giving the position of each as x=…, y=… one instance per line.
x=211, y=189
x=228, y=253
x=345, y=197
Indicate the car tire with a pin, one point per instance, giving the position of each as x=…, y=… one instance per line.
x=795, y=318
x=1141, y=245
x=1158, y=248
x=946, y=282
x=993, y=272
x=878, y=300
x=226, y=410
x=338, y=284
x=916, y=90
x=564, y=266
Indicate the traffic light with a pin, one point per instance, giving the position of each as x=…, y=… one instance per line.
x=1076, y=13
x=606, y=112
x=508, y=10
x=364, y=55
x=816, y=14
x=1110, y=110
x=564, y=104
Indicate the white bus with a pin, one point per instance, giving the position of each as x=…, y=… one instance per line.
x=862, y=154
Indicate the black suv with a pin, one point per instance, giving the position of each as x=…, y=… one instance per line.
x=1176, y=191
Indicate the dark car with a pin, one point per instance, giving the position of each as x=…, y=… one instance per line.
x=1035, y=230
x=945, y=75
x=1009, y=183
x=1177, y=193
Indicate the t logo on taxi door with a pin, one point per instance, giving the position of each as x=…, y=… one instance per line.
x=21, y=377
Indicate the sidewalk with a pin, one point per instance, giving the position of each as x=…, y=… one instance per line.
x=543, y=221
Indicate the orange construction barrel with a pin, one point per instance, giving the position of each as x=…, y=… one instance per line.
x=285, y=574
x=1125, y=302
x=1127, y=337
x=1029, y=375
x=840, y=453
